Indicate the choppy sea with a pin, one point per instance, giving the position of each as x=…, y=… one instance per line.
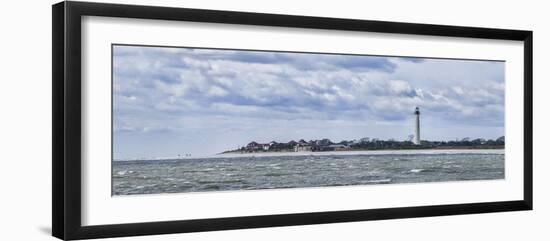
x=268, y=172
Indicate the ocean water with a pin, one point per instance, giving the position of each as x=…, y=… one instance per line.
x=268, y=172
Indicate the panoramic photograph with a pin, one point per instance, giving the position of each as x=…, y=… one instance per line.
x=188, y=119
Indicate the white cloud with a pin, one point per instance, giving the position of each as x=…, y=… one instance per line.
x=281, y=94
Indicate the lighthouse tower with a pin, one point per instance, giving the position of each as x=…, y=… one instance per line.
x=416, y=139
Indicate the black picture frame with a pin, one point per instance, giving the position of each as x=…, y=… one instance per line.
x=66, y=128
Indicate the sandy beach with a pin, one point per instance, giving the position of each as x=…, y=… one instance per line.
x=365, y=152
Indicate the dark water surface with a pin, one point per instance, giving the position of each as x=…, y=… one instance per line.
x=246, y=173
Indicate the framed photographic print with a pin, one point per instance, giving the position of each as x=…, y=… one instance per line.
x=169, y=120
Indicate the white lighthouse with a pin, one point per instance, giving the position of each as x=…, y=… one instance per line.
x=416, y=139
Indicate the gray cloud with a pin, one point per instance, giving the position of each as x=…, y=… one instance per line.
x=180, y=91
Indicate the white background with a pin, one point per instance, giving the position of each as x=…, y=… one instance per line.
x=25, y=134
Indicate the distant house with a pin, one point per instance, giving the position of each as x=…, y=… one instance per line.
x=339, y=147
x=323, y=142
x=302, y=147
x=254, y=146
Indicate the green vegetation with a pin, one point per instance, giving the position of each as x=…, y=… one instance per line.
x=368, y=144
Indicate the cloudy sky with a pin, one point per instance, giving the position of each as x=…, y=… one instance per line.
x=170, y=101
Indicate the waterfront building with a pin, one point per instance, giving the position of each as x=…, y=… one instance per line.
x=302, y=147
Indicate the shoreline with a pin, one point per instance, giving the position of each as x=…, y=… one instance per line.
x=334, y=153
x=364, y=152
